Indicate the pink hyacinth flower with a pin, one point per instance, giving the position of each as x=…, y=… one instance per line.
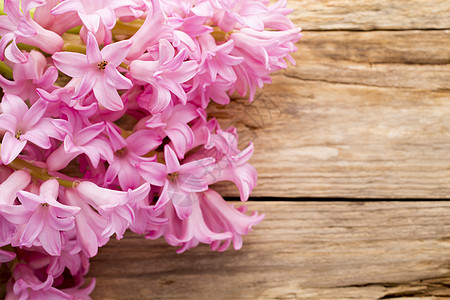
x=128, y=153
x=49, y=218
x=28, y=286
x=188, y=232
x=87, y=140
x=173, y=123
x=18, y=27
x=221, y=216
x=88, y=223
x=165, y=75
x=97, y=71
x=24, y=125
x=113, y=205
x=181, y=182
x=29, y=76
x=98, y=17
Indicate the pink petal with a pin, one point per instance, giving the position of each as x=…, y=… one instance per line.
x=37, y=137
x=108, y=96
x=175, y=88
x=161, y=98
x=50, y=240
x=153, y=172
x=115, y=79
x=166, y=51
x=91, y=21
x=181, y=200
x=116, y=53
x=13, y=105
x=171, y=159
x=8, y=122
x=87, y=134
x=59, y=158
x=15, y=182
x=92, y=52
x=67, y=6
x=13, y=53
x=128, y=177
x=71, y=63
x=108, y=17
x=182, y=138
x=34, y=114
x=86, y=85
x=49, y=189
x=11, y=148
x=33, y=228
x=187, y=70
x=143, y=141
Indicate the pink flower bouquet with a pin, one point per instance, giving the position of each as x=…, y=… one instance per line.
x=104, y=127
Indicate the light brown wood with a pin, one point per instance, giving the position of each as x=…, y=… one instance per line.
x=362, y=114
x=371, y=14
x=302, y=250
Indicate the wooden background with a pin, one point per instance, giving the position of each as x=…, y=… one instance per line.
x=364, y=114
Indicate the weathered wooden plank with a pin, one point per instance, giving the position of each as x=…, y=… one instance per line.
x=302, y=250
x=363, y=114
x=411, y=59
x=371, y=14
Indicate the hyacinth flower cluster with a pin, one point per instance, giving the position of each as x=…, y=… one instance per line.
x=104, y=128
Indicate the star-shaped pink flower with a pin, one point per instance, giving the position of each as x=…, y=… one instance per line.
x=97, y=71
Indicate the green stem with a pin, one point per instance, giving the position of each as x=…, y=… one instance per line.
x=39, y=173
x=5, y=70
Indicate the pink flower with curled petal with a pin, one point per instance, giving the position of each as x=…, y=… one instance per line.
x=128, y=153
x=181, y=182
x=165, y=75
x=80, y=140
x=173, y=123
x=97, y=71
x=151, y=32
x=60, y=23
x=264, y=52
x=221, y=216
x=29, y=76
x=230, y=162
x=28, y=286
x=11, y=214
x=98, y=17
x=22, y=125
x=18, y=27
x=232, y=14
x=113, y=205
x=48, y=219
x=188, y=232
x=88, y=223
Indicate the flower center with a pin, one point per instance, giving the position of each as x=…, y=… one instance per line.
x=102, y=65
x=172, y=176
x=18, y=134
x=44, y=204
x=122, y=152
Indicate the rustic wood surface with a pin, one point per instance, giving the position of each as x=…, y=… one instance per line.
x=363, y=114
x=302, y=250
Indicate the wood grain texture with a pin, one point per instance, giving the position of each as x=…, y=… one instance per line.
x=371, y=14
x=302, y=250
